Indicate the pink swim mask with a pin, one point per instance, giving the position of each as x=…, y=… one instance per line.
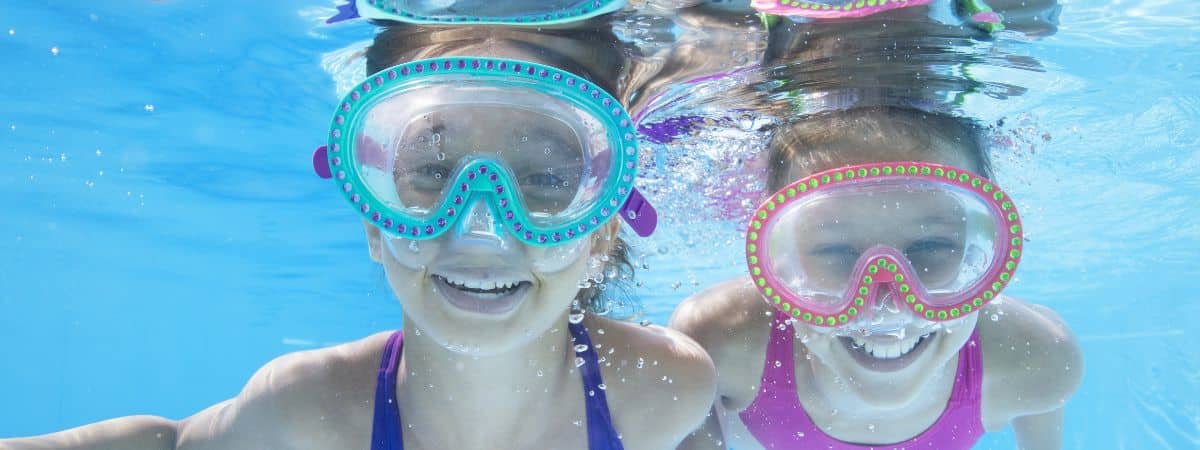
x=936, y=239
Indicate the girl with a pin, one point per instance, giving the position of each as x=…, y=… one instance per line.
x=488, y=177
x=875, y=280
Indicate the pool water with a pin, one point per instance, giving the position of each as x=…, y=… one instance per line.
x=164, y=236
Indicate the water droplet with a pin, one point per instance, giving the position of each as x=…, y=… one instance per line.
x=441, y=156
x=539, y=373
x=778, y=363
x=579, y=362
x=644, y=323
x=580, y=348
x=575, y=318
x=601, y=331
x=602, y=386
x=641, y=363
x=995, y=318
x=591, y=393
x=871, y=427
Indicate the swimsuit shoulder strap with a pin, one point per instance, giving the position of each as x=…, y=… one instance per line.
x=385, y=431
x=601, y=433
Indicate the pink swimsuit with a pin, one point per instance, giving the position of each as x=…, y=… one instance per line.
x=778, y=420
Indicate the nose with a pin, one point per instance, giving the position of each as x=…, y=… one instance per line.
x=479, y=224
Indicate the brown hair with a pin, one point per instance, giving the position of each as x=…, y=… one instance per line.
x=589, y=50
x=821, y=140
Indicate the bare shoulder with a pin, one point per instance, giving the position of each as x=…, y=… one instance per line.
x=660, y=383
x=309, y=399
x=732, y=322
x=1032, y=361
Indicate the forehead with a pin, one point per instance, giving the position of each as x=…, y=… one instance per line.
x=890, y=144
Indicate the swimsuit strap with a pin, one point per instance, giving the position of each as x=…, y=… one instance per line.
x=777, y=419
x=601, y=433
x=385, y=430
x=386, y=433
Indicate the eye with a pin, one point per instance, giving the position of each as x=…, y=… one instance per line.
x=932, y=255
x=543, y=179
x=841, y=255
x=930, y=246
x=429, y=177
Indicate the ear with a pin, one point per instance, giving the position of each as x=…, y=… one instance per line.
x=374, y=242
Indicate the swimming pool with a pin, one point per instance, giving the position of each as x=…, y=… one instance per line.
x=164, y=236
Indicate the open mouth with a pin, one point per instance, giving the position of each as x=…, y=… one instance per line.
x=486, y=296
x=886, y=355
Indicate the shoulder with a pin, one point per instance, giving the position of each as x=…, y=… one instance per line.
x=309, y=399
x=660, y=382
x=1032, y=361
x=732, y=322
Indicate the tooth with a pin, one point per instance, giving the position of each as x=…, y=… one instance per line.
x=893, y=351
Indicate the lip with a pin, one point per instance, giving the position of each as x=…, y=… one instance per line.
x=481, y=303
x=863, y=358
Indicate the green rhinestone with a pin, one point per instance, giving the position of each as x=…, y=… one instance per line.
x=863, y=290
x=1004, y=276
x=849, y=174
x=756, y=271
x=852, y=311
x=873, y=269
x=1006, y=205
x=858, y=301
x=910, y=298
x=762, y=214
x=780, y=198
x=964, y=177
x=872, y=2
x=761, y=282
x=874, y=171
x=996, y=286
x=881, y=262
x=1010, y=265
x=977, y=302
x=929, y=314
x=912, y=170
x=925, y=170
x=939, y=172
x=899, y=277
x=768, y=291
x=1014, y=254
x=1012, y=216
x=786, y=307
x=942, y=315
x=899, y=169
x=887, y=170
x=756, y=224
x=966, y=309
x=770, y=206
x=1016, y=241
x=795, y=313
x=824, y=179
x=998, y=196
x=954, y=312
x=776, y=299
x=987, y=188
x=753, y=259
x=862, y=172
x=808, y=317
x=814, y=183
x=1014, y=229
x=904, y=288
x=867, y=279
x=988, y=295
x=803, y=187
x=752, y=248
x=860, y=4
x=975, y=182
x=754, y=235
x=892, y=268
x=838, y=177
x=919, y=307
x=791, y=192
x=843, y=318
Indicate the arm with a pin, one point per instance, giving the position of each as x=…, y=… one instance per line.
x=125, y=433
x=1039, y=431
x=707, y=437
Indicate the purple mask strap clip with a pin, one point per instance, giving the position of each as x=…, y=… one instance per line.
x=639, y=214
x=321, y=163
x=345, y=12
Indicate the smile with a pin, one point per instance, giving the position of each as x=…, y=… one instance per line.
x=481, y=295
x=886, y=355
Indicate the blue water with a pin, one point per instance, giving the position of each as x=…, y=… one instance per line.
x=163, y=236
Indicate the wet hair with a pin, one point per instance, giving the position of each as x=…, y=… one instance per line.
x=820, y=139
x=589, y=50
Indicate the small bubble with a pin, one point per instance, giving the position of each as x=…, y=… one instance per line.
x=778, y=363
x=871, y=427
x=644, y=323
x=148, y=107
x=575, y=318
x=54, y=50
x=11, y=31
x=580, y=348
x=995, y=318
x=579, y=361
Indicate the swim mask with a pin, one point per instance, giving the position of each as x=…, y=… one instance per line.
x=972, y=12
x=535, y=152
x=834, y=248
x=477, y=12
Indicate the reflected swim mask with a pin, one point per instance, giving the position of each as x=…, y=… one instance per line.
x=477, y=12
x=830, y=248
x=551, y=155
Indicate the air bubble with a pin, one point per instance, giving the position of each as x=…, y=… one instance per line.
x=575, y=318
x=580, y=348
x=579, y=362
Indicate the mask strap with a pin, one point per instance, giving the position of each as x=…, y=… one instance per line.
x=639, y=214
x=345, y=12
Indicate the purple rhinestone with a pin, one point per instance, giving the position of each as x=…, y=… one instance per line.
x=340, y=119
x=419, y=68
x=570, y=234
x=503, y=65
x=336, y=134
x=508, y=215
x=450, y=212
x=401, y=228
x=482, y=169
x=347, y=187
x=441, y=222
x=433, y=67
x=463, y=187
x=570, y=82
x=457, y=199
x=354, y=198
x=499, y=189
x=336, y=148
x=415, y=231
x=529, y=70
x=366, y=87
x=428, y=229
x=542, y=238
x=624, y=122
x=392, y=74
x=595, y=221
x=582, y=228
x=404, y=71
x=516, y=67
x=378, y=80
x=446, y=65
x=337, y=161
x=475, y=64
x=606, y=102
x=595, y=94
x=341, y=175
x=616, y=111
x=489, y=65
x=387, y=223
x=517, y=226
x=354, y=95
x=374, y=216
x=470, y=175
x=583, y=87
x=557, y=237
x=543, y=73
x=364, y=207
x=604, y=212
x=492, y=177
x=557, y=77
x=504, y=203
x=346, y=106
x=528, y=235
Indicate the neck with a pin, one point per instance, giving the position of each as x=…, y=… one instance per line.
x=828, y=391
x=495, y=397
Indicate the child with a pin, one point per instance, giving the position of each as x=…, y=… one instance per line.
x=487, y=177
x=842, y=355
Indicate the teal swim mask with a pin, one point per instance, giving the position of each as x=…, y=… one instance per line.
x=552, y=156
x=483, y=12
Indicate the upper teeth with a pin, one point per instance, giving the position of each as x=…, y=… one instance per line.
x=484, y=285
x=888, y=350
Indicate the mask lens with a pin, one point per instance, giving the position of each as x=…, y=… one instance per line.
x=817, y=244
x=486, y=9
